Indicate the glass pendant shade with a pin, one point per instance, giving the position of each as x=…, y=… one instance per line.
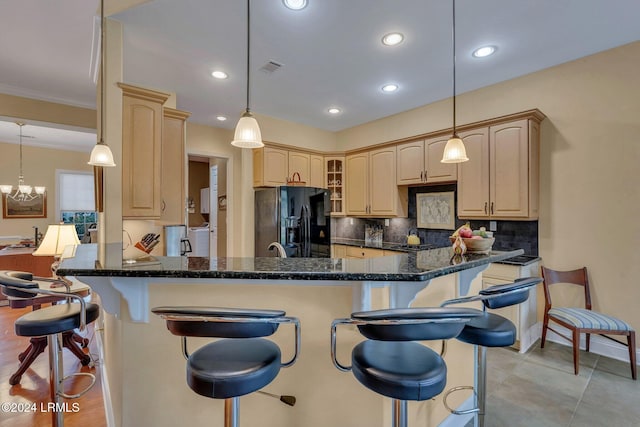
x=247, y=133
x=39, y=190
x=101, y=156
x=101, y=153
x=26, y=189
x=454, y=151
x=6, y=189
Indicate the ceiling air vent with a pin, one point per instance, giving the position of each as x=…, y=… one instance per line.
x=270, y=67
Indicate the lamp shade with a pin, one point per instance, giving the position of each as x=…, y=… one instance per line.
x=101, y=156
x=454, y=151
x=247, y=133
x=58, y=237
x=6, y=189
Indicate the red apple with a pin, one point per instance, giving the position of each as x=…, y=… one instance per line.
x=465, y=232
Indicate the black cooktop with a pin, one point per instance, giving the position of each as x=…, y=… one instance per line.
x=520, y=260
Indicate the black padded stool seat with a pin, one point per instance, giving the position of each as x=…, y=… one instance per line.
x=233, y=367
x=391, y=363
x=489, y=330
x=400, y=370
x=54, y=320
x=241, y=361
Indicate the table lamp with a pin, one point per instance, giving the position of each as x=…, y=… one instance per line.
x=58, y=237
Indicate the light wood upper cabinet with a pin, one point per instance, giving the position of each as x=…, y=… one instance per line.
x=173, y=166
x=141, y=152
x=370, y=186
x=356, y=184
x=410, y=159
x=316, y=174
x=270, y=167
x=473, y=175
x=418, y=162
x=501, y=178
x=273, y=167
x=300, y=164
x=383, y=191
x=435, y=170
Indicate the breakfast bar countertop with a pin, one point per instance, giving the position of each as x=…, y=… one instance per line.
x=413, y=266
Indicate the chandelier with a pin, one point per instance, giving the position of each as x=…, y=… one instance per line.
x=24, y=192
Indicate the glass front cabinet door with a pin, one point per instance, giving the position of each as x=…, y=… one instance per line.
x=335, y=184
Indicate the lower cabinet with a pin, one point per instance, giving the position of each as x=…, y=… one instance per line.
x=358, y=252
x=346, y=251
x=524, y=315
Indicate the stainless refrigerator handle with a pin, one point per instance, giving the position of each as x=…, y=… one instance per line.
x=307, y=232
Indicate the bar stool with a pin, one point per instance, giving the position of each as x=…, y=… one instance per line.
x=51, y=322
x=229, y=368
x=489, y=330
x=390, y=363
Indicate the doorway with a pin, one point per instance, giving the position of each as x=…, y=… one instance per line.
x=207, y=194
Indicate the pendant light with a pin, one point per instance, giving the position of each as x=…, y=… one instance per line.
x=24, y=192
x=454, y=151
x=101, y=154
x=247, y=134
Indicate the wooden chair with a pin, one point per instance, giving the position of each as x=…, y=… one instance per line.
x=583, y=320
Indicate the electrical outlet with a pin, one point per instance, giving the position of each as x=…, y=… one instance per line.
x=493, y=226
x=386, y=222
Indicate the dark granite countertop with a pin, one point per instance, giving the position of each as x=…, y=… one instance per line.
x=414, y=266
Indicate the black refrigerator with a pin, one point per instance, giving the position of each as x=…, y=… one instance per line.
x=299, y=218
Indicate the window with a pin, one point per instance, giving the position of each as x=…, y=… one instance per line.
x=76, y=203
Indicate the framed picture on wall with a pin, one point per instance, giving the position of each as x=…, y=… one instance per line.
x=36, y=208
x=436, y=210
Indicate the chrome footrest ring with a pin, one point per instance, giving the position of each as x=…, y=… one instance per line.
x=78, y=374
x=455, y=411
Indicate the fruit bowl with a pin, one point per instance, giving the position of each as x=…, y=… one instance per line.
x=476, y=245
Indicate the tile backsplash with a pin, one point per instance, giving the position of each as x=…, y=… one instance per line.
x=509, y=234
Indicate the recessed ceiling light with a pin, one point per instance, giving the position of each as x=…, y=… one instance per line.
x=390, y=88
x=334, y=110
x=392, y=39
x=221, y=118
x=219, y=74
x=483, y=51
x=295, y=4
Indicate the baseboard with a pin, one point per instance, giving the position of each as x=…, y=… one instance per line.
x=454, y=420
x=106, y=394
x=599, y=345
x=529, y=337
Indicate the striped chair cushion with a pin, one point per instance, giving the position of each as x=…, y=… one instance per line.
x=588, y=319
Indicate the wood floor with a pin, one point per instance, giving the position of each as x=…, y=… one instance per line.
x=87, y=410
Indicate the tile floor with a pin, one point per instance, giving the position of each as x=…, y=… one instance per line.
x=539, y=389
